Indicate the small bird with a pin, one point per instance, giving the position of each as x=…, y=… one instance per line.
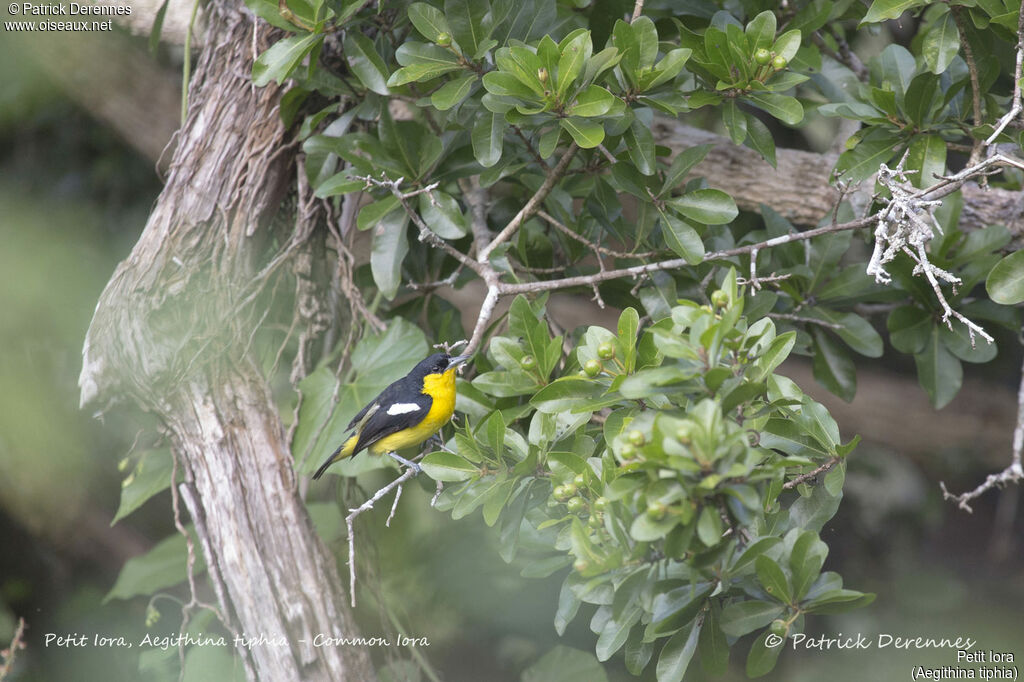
x=406, y=413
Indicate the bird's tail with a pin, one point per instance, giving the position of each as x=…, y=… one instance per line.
x=344, y=450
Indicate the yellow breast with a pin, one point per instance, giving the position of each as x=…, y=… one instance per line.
x=441, y=388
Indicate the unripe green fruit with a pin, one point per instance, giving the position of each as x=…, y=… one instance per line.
x=636, y=438
x=576, y=504
x=592, y=368
x=563, y=492
x=606, y=351
x=656, y=511
x=762, y=56
x=595, y=521
x=778, y=627
x=779, y=63
x=719, y=298
x=579, y=480
x=528, y=362
x=444, y=39
x=627, y=451
x=600, y=504
x=684, y=433
x=581, y=565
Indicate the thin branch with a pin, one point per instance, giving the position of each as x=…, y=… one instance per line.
x=366, y=506
x=484, y=317
x=426, y=234
x=554, y=222
x=530, y=148
x=532, y=205
x=11, y=652
x=1016, y=106
x=806, y=320
x=476, y=196
x=810, y=475
x=638, y=9
x=972, y=69
x=1011, y=474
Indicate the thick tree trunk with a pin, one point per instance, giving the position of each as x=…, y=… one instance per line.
x=172, y=332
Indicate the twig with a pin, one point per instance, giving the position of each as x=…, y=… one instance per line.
x=1011, y=474
x=366, y=506
x=476, y=196
x=532, y=204
x=530, y=148
x=803, y=478
x=806, y=320
x=972, y=69
x=583, y=240
x=1015, y=108
x=426, y=234
x=638, y=9
x=902, y=228
x=10, y=652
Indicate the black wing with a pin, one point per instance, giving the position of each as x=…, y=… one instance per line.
x=403, y=410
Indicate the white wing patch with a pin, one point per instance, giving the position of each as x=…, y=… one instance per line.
x=403, y=408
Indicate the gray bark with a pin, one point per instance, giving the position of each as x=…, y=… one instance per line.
x=172, y=333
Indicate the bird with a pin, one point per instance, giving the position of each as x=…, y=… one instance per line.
x=406, y=413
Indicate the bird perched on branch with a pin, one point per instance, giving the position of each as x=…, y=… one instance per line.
x=406, y=413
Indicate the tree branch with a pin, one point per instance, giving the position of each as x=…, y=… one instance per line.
x=1011, y=474
x=532, y=205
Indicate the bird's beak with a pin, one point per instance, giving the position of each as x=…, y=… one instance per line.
x=457, y=360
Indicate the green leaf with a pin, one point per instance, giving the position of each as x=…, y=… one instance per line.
x=565, y=664
x=452, y=92
x=928, y=156
x=918, y=101
x=469, y=23
x=709, y=526
x=682, y=239
x=881, y=10
x=787, y=45
x=815, y=510
x=593, y=101
x=862, y=161
x=741, y=617
x=442, y=214
x=941, y=44
x=735, y=120
x=909, y=328
x=713, y=647
x=706, y=206
x=151, y=475
x=166, y=564
x=488, y=138
x=805, y=562
x=771, y=577
x=681, y=165
x=365, y=63
x=574, y=55
x=566, y=394
x=568, y=605
x=677, y=653
x=422, y=62
x=428, y=20
x=762, y=658
x=838, y=601
x=446, y=466
x=783, y=107
x=587, y=134
x=388, y=251
x=939, y=373
x=1005, y=283
x=640, y=146
x=278, y=62
x=761, y=31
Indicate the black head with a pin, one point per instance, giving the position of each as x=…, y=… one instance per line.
x=438, y=363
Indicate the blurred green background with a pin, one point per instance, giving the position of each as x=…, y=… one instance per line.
x=73, y=199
